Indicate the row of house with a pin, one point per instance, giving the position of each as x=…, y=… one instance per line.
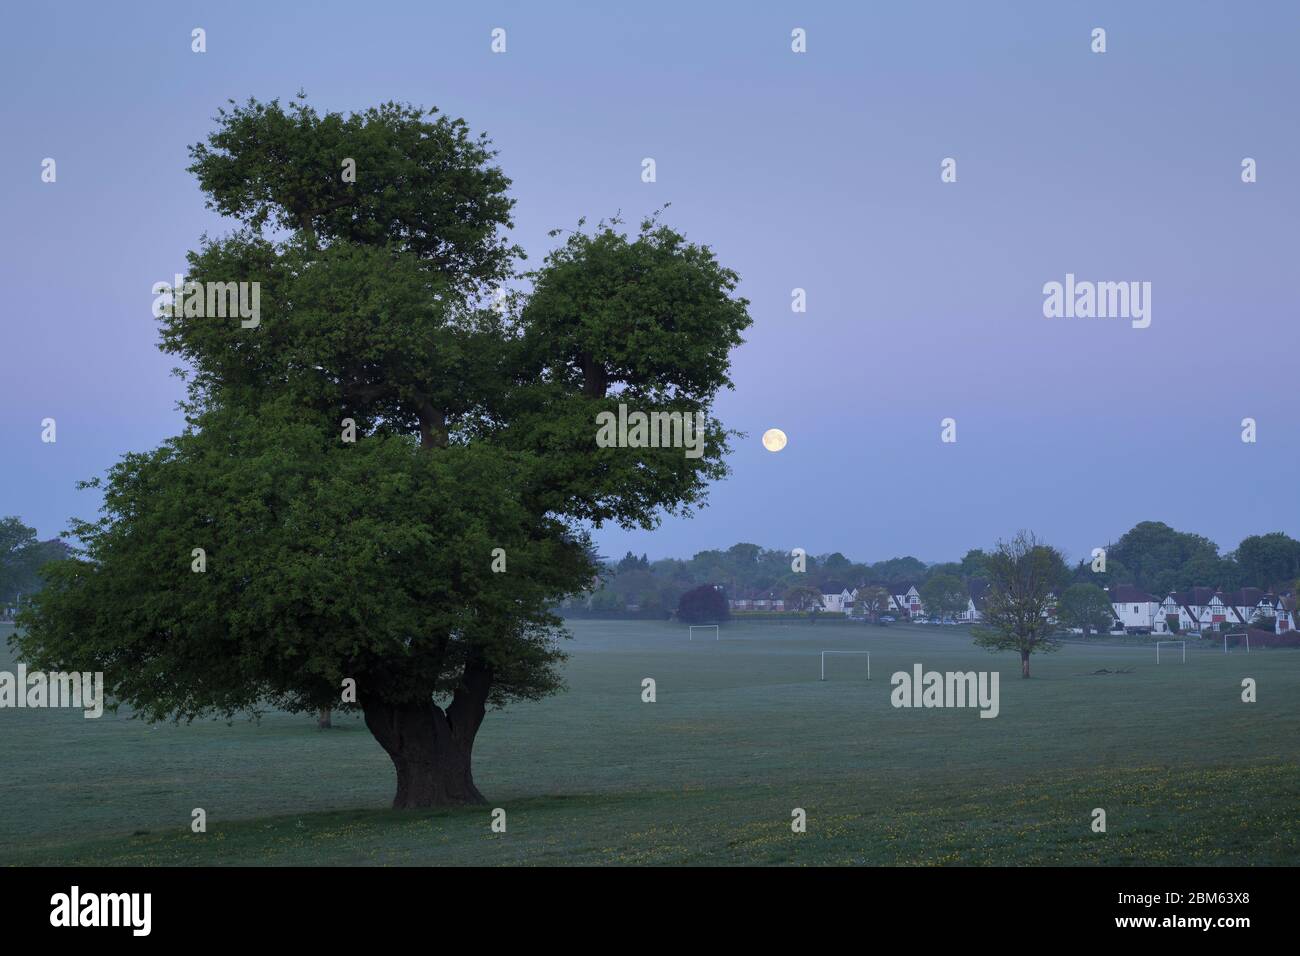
x=905, y=600
x=1200, y=609
x=768, y=603
x=1135, y=611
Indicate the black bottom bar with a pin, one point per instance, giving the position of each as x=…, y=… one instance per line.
x=336, y=906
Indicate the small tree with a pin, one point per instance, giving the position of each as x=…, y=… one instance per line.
x=803, y=598
x=1086, y=606
x=1265, y=622
x=943, y=596
x=1023, y=577
x=706, y=604
x=874, y=601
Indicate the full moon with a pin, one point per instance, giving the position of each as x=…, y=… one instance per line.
x=774, y=439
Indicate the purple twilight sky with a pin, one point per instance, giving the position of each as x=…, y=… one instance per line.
x=818, y=170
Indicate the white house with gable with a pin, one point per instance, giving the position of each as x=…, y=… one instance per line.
x=841, y=600
x=1134, y=609
x=906, y=601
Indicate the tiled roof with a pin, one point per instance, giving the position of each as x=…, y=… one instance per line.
x=1127, y=594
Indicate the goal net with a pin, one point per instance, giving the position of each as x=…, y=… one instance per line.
x=866, y=654
x=717, y=634
x=1237, y=639
x=1182, y=644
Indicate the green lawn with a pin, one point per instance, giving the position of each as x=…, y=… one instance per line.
x=742, y=733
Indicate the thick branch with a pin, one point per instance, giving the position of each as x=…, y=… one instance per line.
x=433, y=426
x=595, y=380
x=469, y=703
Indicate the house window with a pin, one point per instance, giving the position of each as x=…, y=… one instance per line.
x=1135, y=608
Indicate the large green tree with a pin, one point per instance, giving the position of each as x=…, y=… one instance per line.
x=1269, y=561
x=1156, y=558
x=390, y=481
x=1024, y=579
x=898, y=570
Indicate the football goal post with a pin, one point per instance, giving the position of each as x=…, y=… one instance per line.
x=866, y=653
x=1183, y=643
x=717, y=634
x=1245, y=637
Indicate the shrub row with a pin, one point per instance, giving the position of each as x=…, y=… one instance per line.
x=750, y=617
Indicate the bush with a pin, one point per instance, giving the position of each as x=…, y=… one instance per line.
x=775, y=616
x=611, y=614
x=1269, y=639
x=706, y=604
x=1264, y=622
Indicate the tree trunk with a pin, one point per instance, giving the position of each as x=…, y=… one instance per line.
x=431, y=749
x=323, y=720
x=1024, y=663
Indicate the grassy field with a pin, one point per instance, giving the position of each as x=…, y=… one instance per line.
x=742, y=732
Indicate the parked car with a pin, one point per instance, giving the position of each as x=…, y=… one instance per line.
x=887, y=619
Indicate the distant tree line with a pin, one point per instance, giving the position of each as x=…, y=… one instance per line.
x=1156, y=558
x=1151, y=556
x=21, y=558
x=640, y=588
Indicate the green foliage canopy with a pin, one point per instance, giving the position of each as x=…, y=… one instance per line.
x=352, y=465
